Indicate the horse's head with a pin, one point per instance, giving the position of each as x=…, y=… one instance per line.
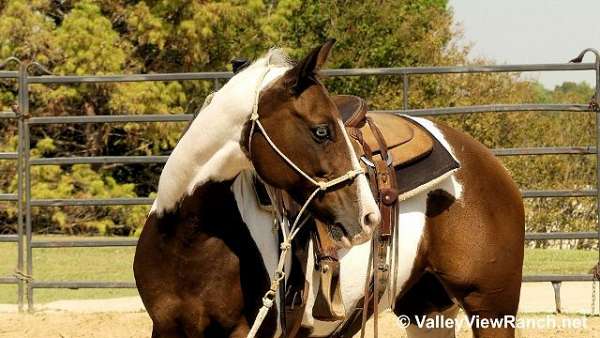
x=300, y=119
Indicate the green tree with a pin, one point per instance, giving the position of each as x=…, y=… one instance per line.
x=116, y=36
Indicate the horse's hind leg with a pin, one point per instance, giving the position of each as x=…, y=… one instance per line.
x=490, y=320
x=488, y=288
x=170, y=331
x=173, y=333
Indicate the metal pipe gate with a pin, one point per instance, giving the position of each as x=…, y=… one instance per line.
x=24, y=274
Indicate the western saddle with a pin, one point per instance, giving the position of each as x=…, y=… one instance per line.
x=405, y=141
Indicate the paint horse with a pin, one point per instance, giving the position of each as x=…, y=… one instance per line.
x=196, y=265
x=458, y=242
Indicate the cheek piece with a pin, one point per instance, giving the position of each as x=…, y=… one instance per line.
x=288, y=236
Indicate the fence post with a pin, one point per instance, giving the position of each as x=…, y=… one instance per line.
x=405, y=91
x=20, y=276
x=556, y=286
x=20, y=144
x=24, y=110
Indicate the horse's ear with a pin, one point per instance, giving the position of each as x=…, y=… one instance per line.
x=304, y=72
x=239, y=64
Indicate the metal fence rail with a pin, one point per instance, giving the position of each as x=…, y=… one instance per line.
x=24, y=276
x=493, y=108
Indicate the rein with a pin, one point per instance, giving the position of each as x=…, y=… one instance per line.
x=321, y=186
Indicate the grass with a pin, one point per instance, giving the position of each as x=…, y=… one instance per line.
x=75, y=264
x=556, y=261
x=114, y=264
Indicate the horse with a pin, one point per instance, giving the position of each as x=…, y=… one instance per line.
x=196, y=266
x=458, y=243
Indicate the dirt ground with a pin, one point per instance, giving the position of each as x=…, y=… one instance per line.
x=75, y=325
x=137, y=324
x=126, y=318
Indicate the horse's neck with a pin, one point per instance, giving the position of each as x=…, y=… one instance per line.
x=210, y=150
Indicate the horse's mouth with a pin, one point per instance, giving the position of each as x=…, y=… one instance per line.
x=340, y=236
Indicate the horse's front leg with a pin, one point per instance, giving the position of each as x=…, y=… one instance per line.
x=241, y=329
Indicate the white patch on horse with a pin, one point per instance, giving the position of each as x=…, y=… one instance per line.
x=260, y=225
x=210, y=149
x=407, y=237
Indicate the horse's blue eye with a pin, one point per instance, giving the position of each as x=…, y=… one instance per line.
x=321, y=132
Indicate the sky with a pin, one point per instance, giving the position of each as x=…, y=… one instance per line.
x=532, y=31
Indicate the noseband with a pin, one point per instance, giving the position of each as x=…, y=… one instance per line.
x=285, y=245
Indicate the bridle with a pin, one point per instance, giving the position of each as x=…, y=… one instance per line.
x=286, y=243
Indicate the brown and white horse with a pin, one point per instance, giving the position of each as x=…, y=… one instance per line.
x=196, y=266
x=208, y=251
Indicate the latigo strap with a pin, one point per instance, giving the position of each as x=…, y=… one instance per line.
x=382, y=177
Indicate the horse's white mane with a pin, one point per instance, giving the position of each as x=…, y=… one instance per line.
x=275, y=58
x=278, y=58
x=210, y=149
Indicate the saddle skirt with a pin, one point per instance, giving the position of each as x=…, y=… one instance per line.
x=420, y=160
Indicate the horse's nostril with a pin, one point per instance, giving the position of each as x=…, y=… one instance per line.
x=371, y=220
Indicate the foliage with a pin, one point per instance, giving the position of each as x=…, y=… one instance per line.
x=116, y=36
x=557, y=171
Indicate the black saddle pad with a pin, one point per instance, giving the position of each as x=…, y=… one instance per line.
x=422, y=173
